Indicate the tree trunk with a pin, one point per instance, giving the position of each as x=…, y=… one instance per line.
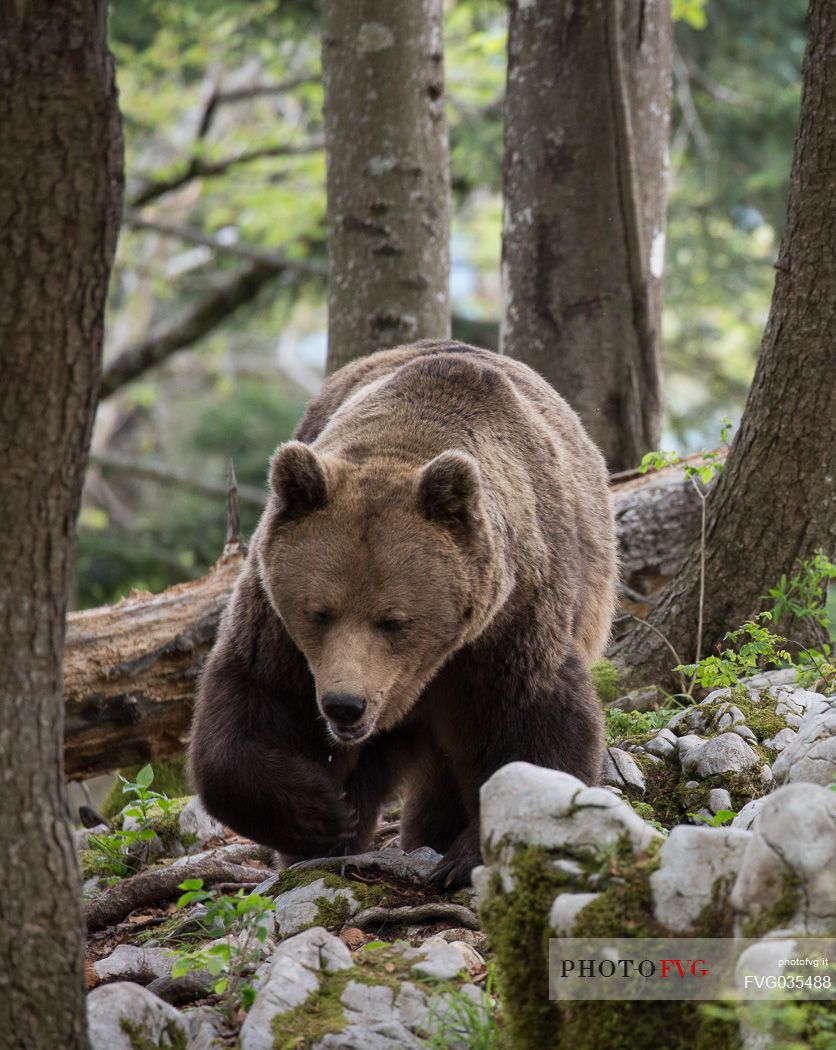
x=585, y=173
x=776, y=500
x=60, y=191
x=388, y=175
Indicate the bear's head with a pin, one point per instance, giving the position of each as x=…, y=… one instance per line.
x=379, y=572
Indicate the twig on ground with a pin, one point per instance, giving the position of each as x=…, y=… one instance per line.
x=156, y=884
x=419, y=914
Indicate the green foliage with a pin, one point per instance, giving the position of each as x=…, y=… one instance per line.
x=702, y=471
x=804, y=595
x=171, y=779
x=690, y=11
x=763, y=649
x=456, y=1019
x=718, y=820
x=619, y=725
x=123, y=850
x=605, y=680
x=245, y=920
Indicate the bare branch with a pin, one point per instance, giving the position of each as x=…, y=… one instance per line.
x=719, y=92
x=418, y=915
x=151, y=471
x=198, y=168
x=158, y=884
x=233, y=518
x=169, y=337
x=247, y=94
x=252, y=253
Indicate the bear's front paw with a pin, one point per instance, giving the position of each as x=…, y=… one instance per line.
x=325, y=828
x=455, y=867
x=451, y=873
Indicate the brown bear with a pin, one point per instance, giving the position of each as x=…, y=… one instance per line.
x=431, y=579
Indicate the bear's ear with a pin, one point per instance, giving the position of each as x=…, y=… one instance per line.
x=298, y=481
x=449, y=489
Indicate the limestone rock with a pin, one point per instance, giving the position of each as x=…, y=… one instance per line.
x=525, y=805
x=197, y=825
x=747, y=816
x=663, y=745
x=622, y=771
x=129, y=963
x=726, y=753
x=566, y=908
x=294, y=975
x=122, y=1014
x=301, y=907
x=787, y=876
x=811, y=755
x=691, y=862
x=719, y=799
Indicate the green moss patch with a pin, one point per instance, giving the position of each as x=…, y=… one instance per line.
x=171, y=1037
x=605, y=681
x=782, y=911
x=625, y=907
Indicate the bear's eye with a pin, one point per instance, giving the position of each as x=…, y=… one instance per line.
x=392, y=625
x=322, y=617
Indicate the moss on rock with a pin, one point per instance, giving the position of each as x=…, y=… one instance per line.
x=605, y=680
x=782, y=912
x=171, y=1037
x=517, y=926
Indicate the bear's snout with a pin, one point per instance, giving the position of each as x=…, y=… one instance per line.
x=343, y=710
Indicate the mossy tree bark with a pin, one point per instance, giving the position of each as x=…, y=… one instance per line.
x=585, y=181
x=60, y=192
x=776, y=500
x=388, y=175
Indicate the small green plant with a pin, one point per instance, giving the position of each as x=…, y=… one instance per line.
x=756, y=649
x=456, y=1019
x=245, y=921
x=123, y=850
x=720, y=818
x=761, y=649
x=622, y=724
x=648, y=814
x=804, y=595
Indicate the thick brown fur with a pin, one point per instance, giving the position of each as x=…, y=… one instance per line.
x=439, y=541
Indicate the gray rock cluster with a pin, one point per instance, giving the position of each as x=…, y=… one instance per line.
x=773, y=870
x=732, y=748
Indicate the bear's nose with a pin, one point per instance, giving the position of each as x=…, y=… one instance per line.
x=343, y=708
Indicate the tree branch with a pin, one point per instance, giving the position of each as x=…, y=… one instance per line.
x=167, y=338
x=219, y=98
x=198, y=168
x=252, y=253
x=157, y=884
x=155, y=472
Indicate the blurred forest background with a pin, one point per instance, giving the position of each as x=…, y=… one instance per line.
x=219, y=282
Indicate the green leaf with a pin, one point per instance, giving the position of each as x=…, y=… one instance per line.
x=145, y=776
x=191, y=884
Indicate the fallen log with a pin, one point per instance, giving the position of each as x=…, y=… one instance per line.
x=130, y=669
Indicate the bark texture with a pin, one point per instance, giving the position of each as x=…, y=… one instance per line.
x=776, y=500
x=586, y=128
x=130, y=669
x=60, y=193
x=388, y=175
